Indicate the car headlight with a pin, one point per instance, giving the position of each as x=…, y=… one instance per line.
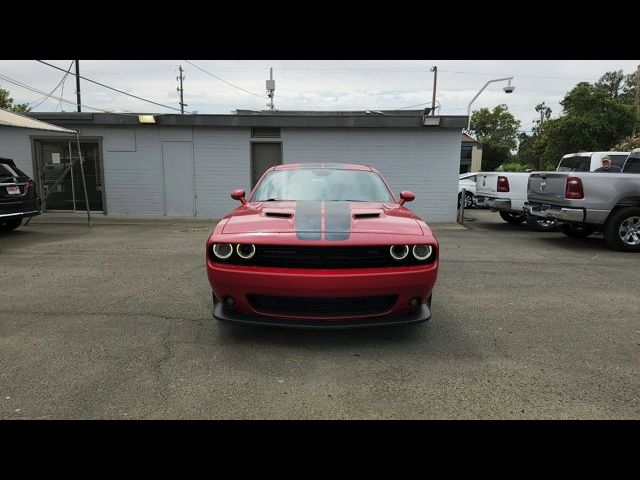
x=422, y=252
x=222, y=250
x=246, y=251
x=399, y=252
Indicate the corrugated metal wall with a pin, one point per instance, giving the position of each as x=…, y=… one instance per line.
x=424, y=161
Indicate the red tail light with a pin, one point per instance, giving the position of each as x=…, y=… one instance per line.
x=574, y=190
x=503, y=184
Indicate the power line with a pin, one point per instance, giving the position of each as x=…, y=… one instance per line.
x=64, y=77
x=223, y=80
x=33, y=89
x=111, y=88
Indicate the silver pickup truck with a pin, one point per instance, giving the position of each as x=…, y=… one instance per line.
x=586, y=202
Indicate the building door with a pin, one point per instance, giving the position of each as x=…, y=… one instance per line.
x=177, y=158
x=264, y=156
x=52, y=159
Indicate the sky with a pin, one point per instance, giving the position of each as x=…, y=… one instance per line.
x=305, y=84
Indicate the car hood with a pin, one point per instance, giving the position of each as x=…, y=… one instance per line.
x=328, y=220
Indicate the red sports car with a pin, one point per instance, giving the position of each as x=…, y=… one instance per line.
x=322, y=246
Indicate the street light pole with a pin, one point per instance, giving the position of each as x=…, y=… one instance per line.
x=481, y=90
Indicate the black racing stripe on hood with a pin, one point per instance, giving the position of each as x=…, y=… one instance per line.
x=308, y=220
x=337, y=220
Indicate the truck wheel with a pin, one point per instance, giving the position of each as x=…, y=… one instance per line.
x=541, y=224
x=512, y=217
x=8, y=225
x=576, y=230
x=622, y=231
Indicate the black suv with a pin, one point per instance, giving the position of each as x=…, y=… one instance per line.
x=18, y=196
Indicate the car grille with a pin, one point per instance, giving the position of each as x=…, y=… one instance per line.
x=322, y=257
x=322, y=306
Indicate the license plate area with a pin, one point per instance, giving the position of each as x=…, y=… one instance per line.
x=13, y=190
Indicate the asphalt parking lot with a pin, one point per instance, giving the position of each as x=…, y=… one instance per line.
x=114, y=322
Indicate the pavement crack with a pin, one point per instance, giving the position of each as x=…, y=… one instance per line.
x=101, y=314
x=168, y=354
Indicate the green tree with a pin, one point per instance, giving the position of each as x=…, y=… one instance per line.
x=497, y=130
x=592, y=120
x=6, y=102
x=494, y=154
x=612, y=82
x=628, y=94
x=498, y=125
x=513, y=167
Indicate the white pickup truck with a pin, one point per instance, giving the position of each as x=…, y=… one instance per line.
x=506, y=192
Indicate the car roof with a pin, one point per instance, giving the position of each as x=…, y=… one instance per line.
x=335, y=166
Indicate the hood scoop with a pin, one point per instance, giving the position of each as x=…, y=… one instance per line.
x=277, y=214
x=359, y=216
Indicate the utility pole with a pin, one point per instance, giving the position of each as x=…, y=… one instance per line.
x=434, y=69
x=637, y=101
x=540, y=166
x=271, y=87
x=78, y=84
x=181, y=90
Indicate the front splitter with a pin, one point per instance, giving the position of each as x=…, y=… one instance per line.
x=420, y=314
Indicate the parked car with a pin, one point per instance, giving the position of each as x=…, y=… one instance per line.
x=18, y=196
x=588, y=161
x=506, y=192
x=467, y=181
x=322, y=246
x=586, y=202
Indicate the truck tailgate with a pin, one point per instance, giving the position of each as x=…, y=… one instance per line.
x=547, y=187
x=486, y=184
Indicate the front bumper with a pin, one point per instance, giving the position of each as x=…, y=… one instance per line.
x=420, y=314
x=555, y=211
x=404, y=283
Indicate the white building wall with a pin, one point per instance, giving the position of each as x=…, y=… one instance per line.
x=222, y=159
x=425, y=161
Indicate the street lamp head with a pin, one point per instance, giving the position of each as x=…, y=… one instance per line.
x=509, y=89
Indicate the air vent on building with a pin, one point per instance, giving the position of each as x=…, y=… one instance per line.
x=265, y=132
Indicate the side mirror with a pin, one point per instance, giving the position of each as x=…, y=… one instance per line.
x=406, y=196
x=238, y=195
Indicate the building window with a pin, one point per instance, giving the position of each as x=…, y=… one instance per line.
x=466, y=152
x=265, y=132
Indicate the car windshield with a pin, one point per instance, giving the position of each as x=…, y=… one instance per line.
x=322, y=184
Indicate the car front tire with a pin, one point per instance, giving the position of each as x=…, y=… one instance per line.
x=468, y=199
